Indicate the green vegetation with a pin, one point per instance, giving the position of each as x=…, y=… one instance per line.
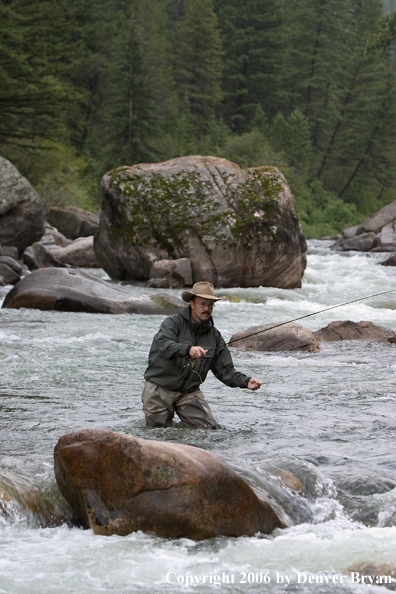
x=307, y=86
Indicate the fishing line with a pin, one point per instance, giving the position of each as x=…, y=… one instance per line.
x=303, y=317
x=260, y=332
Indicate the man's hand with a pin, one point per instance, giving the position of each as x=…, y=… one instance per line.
x=254, y=384
x=196, y=352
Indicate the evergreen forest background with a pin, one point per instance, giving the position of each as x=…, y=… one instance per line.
x=306, y=85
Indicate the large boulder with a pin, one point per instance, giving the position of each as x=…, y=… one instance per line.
x=21, y=212
x=347, y=330
x=65, y=289
x=376, y=234
x=118, y=484
x=73, y=221
x=238, y=227
x=278, y=336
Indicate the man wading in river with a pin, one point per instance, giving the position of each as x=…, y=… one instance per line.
x=186, y=346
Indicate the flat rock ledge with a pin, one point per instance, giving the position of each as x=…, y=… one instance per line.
x=64, y=289
x=118, y=484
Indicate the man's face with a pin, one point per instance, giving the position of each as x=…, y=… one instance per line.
x=201, y=309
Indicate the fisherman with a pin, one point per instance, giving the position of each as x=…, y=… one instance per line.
x=186, y=346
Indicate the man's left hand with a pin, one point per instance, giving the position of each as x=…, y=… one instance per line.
x=254, y=384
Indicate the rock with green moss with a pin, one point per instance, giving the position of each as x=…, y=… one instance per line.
x=238, y=227
x=21, y=211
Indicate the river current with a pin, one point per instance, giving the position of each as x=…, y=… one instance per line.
x=327, y=417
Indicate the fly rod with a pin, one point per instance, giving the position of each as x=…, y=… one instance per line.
x=305, y=316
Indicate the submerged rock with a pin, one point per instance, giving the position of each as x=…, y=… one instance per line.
x=269, y=337
x=239, y=228
x=118, y=484
x=76, y=290
x=347, y=330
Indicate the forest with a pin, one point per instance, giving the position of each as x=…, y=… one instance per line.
x=305, y=85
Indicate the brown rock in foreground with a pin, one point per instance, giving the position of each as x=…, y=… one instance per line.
x=118, y=484
x=279, y=336
x=347, y=330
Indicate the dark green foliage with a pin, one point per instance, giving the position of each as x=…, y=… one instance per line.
x=37, y=56
x=307, y=86
x=251, y=33
x=198, y=63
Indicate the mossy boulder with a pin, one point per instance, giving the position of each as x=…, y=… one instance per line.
x=238, y=227
x=21, y=211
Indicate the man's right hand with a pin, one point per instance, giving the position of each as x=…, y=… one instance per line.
x=196, y=352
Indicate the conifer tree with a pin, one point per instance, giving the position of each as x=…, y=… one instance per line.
x=251, y=32
x=37, y=56
x=198, y=63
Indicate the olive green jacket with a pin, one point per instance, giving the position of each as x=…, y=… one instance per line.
x=170, y=365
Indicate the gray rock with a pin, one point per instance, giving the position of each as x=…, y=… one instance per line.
x=347, y=330
x=21, y=212
x=80, y=253
x=337, y=246
x=72, y=221
x=10, y=277
x=275, y=337
x=378, y=220
x=9, y=250
x=52, y=237
x=13, y=264
x=37, y=256
x=361, y=243
x=65, y=289
x=381, y=226
x=178, y=273
x=158, y=283
x=391, y=261
x=386, y=239
x=238, y=227
x=350, y=232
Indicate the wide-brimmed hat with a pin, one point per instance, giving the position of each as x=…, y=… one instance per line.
x=201, y=289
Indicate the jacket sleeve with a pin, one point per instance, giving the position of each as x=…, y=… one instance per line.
x=223, y=368
x=166, y=340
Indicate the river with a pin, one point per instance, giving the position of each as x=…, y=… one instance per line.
x=327, y=417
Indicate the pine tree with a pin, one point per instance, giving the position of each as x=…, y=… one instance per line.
x=37, y=57
x=360, y=148
x=251, y=32
x=198, y=63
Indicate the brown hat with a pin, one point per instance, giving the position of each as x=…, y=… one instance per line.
x=201, y=289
